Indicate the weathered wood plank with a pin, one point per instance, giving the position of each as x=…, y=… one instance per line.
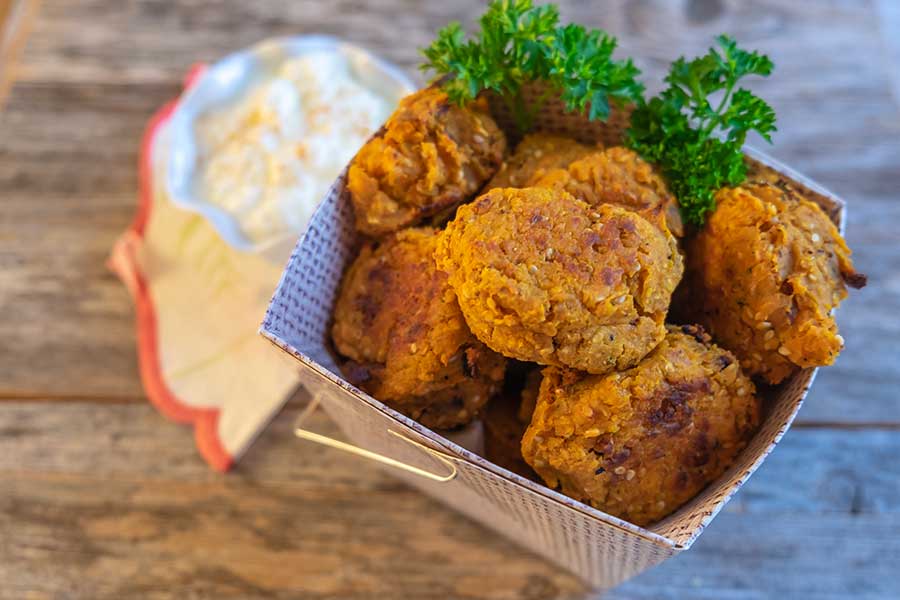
x=799, y=556
x=68, y=191
x=15, y=20
x=118, y=502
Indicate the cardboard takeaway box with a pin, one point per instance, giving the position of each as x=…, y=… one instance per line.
x=602, y=550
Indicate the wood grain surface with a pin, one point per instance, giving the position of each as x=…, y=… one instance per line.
x=15, y=20
x=101, y=498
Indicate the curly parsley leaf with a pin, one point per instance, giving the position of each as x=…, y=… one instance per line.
x=698, y=147
x=519, y=43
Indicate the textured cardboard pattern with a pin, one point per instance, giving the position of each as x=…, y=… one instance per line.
x=601, y=549
x=554, y=118
x=548, y=523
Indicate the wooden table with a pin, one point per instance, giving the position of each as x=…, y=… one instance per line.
x=102, y=498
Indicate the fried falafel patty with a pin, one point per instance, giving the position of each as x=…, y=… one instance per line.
x=763, y=276
x=618, y=176
x=535, y=155
x=640, y=443
x=398, y=322
x=430, y=155
x=543, y=277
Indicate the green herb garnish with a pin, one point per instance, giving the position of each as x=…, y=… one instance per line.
x=698, y=147
x=519, y=43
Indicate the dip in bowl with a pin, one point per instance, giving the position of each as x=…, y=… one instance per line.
x=259, y=138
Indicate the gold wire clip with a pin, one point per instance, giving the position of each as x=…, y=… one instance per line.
x=385, y=460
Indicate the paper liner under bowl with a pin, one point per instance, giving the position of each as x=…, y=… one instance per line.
x=601, y=549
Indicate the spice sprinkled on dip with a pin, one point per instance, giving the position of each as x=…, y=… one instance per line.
x=270, y=158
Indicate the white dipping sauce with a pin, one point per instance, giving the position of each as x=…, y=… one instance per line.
x=271, y=157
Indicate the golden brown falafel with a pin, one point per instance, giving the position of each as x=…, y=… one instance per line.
x=536, y=154
x=430, y=156
x=640, y=443
x=618, y=176
x=763, y=277
x=398, y=322
x=543, y=277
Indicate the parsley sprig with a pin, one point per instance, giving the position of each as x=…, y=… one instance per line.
x=698, y=147
x=520, y=43
x=695, y=140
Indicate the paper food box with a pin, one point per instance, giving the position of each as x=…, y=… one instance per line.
x=601, y=549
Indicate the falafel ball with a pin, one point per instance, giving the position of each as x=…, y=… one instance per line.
x=430, y=156
x=535, y=155
x=618, y=176
x=640, y=443
x=543, y=277
x=763, y=276
x=398, y=322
